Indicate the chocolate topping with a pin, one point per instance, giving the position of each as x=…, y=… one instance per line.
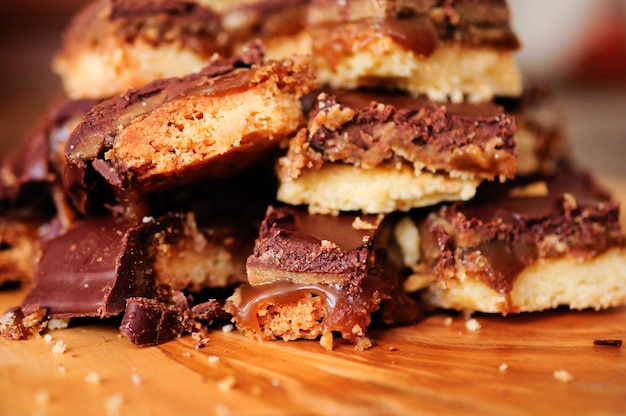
x=92, y=269
x=367, y=128
x=291, y=240
x=508, y=227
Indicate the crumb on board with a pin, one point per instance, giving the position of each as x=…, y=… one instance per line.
x=186, y=354
x=503, y=367
x=42, y=397
x=227, y=384
x=213, y=359
x=136, y=379
x=447, y=321
x=228, y=328
x=113, y=403
x=58, y=323
x=472, y=325
x=61, y=369
x=563, y=376
x=93, y=378
x=608, y=342
x=59, y=347
x=47, y=338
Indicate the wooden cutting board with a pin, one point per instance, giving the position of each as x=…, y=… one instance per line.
x=433, y=367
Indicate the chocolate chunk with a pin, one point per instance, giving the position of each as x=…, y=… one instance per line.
x=152, y=322
x=92, y=269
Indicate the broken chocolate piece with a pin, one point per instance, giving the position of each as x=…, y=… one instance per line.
x=524, y=246
x=152, y=322
x=376, y=151
x=311, y=275
x=178, y=131
x=92, y=269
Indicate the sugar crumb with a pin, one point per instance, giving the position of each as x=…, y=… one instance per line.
x=563, y=376
x=42, y=397
x=227, y=384
x=213, y=359
x=113, y=403
x=59, y=347
x=228, y=328
x=472, y=325
x=186, y=354
x=47, y=338
x=93, y=378
x=136, y=379
x=221, y=410
x=503, y=367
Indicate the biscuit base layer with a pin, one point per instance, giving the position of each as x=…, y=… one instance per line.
x=338, y=187
x=115, y=68
x=194, y=263
x=596, y=283
x=450, y=72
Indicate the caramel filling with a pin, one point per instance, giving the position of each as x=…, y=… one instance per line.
x=344, y=310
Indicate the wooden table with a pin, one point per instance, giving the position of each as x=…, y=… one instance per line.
x=433, y=367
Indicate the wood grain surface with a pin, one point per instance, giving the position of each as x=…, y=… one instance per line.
x=433, y=367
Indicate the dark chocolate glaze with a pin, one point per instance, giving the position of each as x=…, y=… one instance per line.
x=498, y=234
x=387, y=127
x=293, y=240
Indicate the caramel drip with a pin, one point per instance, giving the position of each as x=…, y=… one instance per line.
x=344, y=308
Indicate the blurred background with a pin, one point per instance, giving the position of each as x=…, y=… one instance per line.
x=577, y=47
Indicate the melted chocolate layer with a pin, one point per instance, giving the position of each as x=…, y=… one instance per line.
x=291, y=240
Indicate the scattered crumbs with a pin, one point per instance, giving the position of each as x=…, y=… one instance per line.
x=186, y=354
x=608, y=342
x=447, y=321
x=113, y=403
x=472, y=325
x=392, y=349
x=61, y=369
x=228, y=328
x=503, y=367
x=42, y=397
x=214, y=359
x=136, y=379
x=93, y=378
x=47, y=338
x=563, y=376
x=59, y=347
x=227, y=384
x=275, y=382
